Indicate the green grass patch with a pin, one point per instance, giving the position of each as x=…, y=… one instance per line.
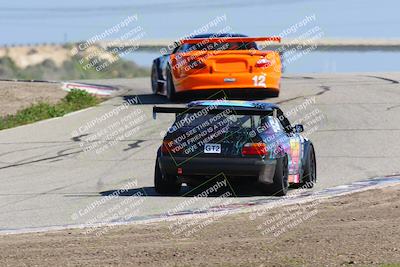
x=74, y=100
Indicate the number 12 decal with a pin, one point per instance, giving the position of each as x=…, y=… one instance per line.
x=259, y=80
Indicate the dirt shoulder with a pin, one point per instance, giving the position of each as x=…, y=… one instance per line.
x=18, y=95
x=358, y=230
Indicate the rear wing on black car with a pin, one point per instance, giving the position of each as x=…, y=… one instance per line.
x=236, y=110
x=214, y=110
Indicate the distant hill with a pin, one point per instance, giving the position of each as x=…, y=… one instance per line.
x=55, y=62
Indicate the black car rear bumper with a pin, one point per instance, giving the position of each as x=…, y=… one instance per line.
x=262, y=170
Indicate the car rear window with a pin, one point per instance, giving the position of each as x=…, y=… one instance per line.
x=234, y=121
x=218, y=46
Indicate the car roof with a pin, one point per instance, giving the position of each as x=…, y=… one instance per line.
x=234, y=103
x=216, y=35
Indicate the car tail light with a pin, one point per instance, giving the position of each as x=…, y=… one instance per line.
x=263, y=63
x=169, y=146
x=196, y=64
x=254, y=149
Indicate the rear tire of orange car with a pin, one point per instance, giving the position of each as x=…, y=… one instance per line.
x=274, y=94
x=171, y=94
x=155, y=85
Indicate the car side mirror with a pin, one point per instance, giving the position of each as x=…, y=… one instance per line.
x=299, y=128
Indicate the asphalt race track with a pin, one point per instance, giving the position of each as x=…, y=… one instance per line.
x=48, y=180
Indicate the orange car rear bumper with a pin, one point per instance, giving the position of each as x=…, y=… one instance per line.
x=206, y=81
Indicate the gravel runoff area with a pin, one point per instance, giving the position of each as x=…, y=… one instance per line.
x=361, y=229
x=18, y=95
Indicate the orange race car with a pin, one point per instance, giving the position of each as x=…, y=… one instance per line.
x=229, y=62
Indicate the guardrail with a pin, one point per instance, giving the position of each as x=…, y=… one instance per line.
x=286, y=44
x=320, y=44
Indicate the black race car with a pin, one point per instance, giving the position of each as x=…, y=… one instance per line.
x=246, y=141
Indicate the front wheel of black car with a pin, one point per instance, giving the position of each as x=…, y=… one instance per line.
x=310, y=169
x=280, y=182
x=165, y=184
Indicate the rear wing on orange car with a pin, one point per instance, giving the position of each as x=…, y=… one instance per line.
x=231, y=40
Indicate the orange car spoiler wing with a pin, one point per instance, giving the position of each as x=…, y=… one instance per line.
x=231, y=40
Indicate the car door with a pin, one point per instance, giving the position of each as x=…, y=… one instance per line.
x=294, y=149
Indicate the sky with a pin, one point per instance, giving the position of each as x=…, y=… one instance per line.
x=49, y=21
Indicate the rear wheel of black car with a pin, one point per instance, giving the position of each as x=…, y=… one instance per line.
x=310, y=169
x=171, y=95
x=154, y=79
x=280, y=185
x=165, y=184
